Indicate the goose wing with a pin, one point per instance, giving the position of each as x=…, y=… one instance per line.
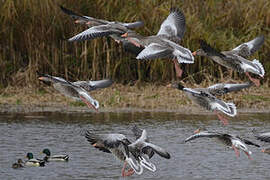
x=93, y=85
x=263, y=136
x=248, y=48
x=174, y=25
x=105, y=142
x=137, y=133
x=133, y=24
x=157, y=149
x=205, y=134
x=209, y=50
x=248, y=142
x=96, y=31
x=154, y=51
x=222, y=88
x=83, y=19
x=53, y=79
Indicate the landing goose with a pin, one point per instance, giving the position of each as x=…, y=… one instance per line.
x=236, y=142
x=206, y=98
x=73, y=90
x=236, y=58
x=164, y=44
x=122, y=148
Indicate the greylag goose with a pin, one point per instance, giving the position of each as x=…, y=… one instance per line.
x=100, y=27
x=90, y=22
x=74, y=90
x=163, y=45
x=205, y=97
x=122, y=148
x=263, y=137
x=54, y=158
x=236, y=142
x=236, y=58
x=31, y=162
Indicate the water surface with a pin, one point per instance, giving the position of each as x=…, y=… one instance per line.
x=62, y=133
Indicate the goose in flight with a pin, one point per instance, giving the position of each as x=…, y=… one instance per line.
x=164, y=44
x=76, y=90
x=236, y=142
x=122, y=149
x=236, y=58
x=100, y=27
x=206, y=98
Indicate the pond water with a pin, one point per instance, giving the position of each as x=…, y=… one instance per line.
x=62, y=133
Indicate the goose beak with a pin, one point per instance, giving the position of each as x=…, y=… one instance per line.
x=194, y=53
x=263, y=150
x=169, y=86
x=197, y=131
x=124, y=35
x=41, y=78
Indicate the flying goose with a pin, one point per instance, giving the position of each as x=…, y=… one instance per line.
x=236, y=142
x=206, y=98
x=236, y=58
x=76, y=90
x=100, y=27
x=164, y=44
x=122, y=148
x=55, y=158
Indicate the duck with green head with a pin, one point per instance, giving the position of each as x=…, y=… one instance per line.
x=49, y=158
x=33, y=162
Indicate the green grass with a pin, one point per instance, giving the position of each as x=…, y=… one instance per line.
x=256, y=98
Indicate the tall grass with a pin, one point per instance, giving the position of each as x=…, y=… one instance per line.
x=34, y=32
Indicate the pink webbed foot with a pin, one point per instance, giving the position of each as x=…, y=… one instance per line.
x=222, y=118
x=255, y=81
x=178, y=70
x=237, y=153
x=249, y=157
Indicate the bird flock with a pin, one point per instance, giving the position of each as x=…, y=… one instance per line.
x=165, y=45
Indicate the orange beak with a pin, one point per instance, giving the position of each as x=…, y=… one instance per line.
x=95, y=144
x=194, y=53
x=88, y=23
x=41, y=78
x=169, y=85
x=197, y=131
x=263, y=150
x=124, y=35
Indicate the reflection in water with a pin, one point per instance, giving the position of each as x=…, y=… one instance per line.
x=62, y=133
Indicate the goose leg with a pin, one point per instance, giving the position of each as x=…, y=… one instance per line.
x=129, y=172
x=255, y=81
x=87, y=103
x=237, y=153
x=178, y=70
x=249, y=157
x=222, y=118
x=134, y=42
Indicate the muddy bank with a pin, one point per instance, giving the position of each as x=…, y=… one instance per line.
x=120, y=98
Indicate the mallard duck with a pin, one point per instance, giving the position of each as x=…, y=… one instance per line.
x=236, y=58
x=206, y=97
x=236, y=142
x=75, y=90
x=100, y=27
x=164, y=44
x=49, y=158
x=122, y=148
x=33, y=162
x=18, y=164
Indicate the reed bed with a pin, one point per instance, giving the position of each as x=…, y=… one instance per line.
x=34, y=37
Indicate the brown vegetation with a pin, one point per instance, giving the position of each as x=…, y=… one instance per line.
x=34, y=32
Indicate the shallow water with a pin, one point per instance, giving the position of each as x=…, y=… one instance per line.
x=62, y=133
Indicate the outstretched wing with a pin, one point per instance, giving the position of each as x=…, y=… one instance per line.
x=104, y=142
x=263, y=136
x=154, y=51
x=222, y=88
x=174, y=25
x=94, y=32
x=133, y=24
x=204, y=134
x=93, y=85
x=160, y=151
x=248, y=142
x=209, y=50
x=248, y=48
